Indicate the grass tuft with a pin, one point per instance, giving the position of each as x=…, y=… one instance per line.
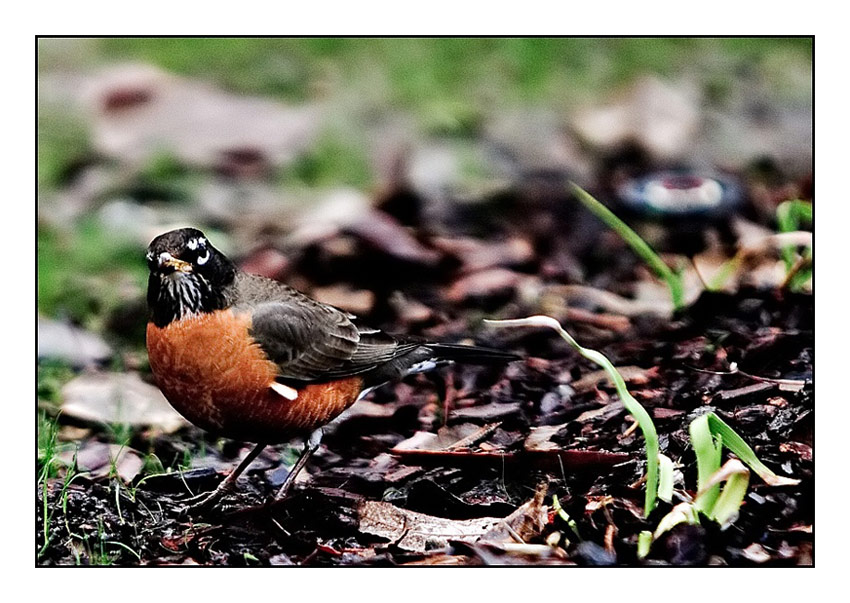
x=719, y=503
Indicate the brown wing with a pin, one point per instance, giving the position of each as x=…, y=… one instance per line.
x=310, y=341
x=305, y=342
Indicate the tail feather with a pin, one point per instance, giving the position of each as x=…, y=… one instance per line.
x=420, y=358
x=448, y=352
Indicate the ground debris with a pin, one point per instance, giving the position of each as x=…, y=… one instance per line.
x=420, y=532
x=416, y=531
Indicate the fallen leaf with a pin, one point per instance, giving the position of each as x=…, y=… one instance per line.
x=75, y=346
x=540, y=437
x=525, y=523
x=383, y=232
x=486, y=412
x=477, y=254
x=418, y=532
x=485, y=283
x=99, y=459
x=606, y=412
x=804, y=451
x=756, y=553
x=476, y=437
x=631, y=374
x=119, y=398
x=360, y=301
x=513, y=553
x=553, y=459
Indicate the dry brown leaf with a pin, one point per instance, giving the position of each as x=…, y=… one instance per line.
x=360, y=301
x=608, y=411
x=631, y=374
x=540, y=437
x=484, y=283
x=419, y=532
x=525, y=523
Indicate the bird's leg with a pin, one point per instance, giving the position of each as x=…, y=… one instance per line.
x=310, y=446
x=205, y=501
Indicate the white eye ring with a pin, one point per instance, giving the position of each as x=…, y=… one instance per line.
x=203, y=258
x=193, y=244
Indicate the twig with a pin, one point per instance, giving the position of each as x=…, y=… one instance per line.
x=475, y=437
x=608, y=301
x=734, y=370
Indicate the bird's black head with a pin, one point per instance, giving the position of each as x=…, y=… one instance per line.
x=187, y=276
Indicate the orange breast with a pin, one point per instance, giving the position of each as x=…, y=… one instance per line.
x=219, y=378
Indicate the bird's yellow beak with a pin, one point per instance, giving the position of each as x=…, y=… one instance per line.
x=166, y=260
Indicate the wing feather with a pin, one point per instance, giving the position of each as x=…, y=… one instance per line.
x=310, y=341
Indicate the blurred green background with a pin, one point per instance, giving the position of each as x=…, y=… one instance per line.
x=445, y=88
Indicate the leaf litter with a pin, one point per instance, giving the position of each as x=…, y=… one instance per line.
x=462, y=466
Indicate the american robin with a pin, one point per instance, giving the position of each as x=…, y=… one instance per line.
x=252, y=359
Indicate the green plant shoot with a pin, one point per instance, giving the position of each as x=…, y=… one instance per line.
x=709, y=434
x=634, y=407
x=638, y=245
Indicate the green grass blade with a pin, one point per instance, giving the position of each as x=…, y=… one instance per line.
x=789, y=216
x=728, y=504
x=741, y=449
x=727, y=269
x=634, y=407
x=557, y=508
x=46, y=519
x=125, y=547
x=638, y=245
x=708, y=453
x=644, y=543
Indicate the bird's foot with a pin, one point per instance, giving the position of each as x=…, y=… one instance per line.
x=206, y=501
x=203, y=502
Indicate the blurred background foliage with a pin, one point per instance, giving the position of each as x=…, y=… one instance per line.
x=448, y=84
x=448, y=88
